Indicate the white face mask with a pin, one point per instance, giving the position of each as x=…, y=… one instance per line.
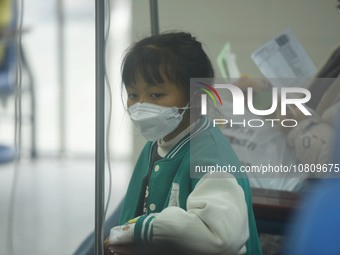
x=154, y=121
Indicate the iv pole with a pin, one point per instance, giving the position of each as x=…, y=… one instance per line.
x=100, y=126
x=100, y=115
x=154, y=17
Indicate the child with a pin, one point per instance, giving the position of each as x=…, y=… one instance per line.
x=203, y=215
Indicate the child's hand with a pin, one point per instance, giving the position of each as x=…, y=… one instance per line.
x=123, y=234
x=106, y=244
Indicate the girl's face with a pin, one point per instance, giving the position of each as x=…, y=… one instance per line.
x=165, y=94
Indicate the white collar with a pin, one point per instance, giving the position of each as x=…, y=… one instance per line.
x=165, y=146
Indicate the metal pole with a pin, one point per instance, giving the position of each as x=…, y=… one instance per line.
x=61, y=74
x=100, y=126
x=154, y=17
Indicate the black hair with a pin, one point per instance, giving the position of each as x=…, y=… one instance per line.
x=178, y=54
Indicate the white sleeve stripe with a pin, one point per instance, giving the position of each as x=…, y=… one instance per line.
x=149, y=231
x=145, y=226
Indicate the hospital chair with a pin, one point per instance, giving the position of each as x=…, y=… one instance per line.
x=8, y=79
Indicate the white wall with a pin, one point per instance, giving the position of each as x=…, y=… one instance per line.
x=247, y=24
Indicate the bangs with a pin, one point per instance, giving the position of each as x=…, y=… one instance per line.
x=148, y=61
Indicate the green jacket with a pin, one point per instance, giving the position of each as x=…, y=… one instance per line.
x=181, y=202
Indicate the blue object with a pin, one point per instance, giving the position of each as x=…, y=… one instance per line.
x=316, y=228
x=7, y=154
x=7, y=71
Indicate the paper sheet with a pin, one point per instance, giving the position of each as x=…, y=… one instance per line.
x=284, y=60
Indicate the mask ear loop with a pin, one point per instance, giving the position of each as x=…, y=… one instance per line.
x=186, y=107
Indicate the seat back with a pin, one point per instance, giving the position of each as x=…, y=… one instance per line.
x=7, y=48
